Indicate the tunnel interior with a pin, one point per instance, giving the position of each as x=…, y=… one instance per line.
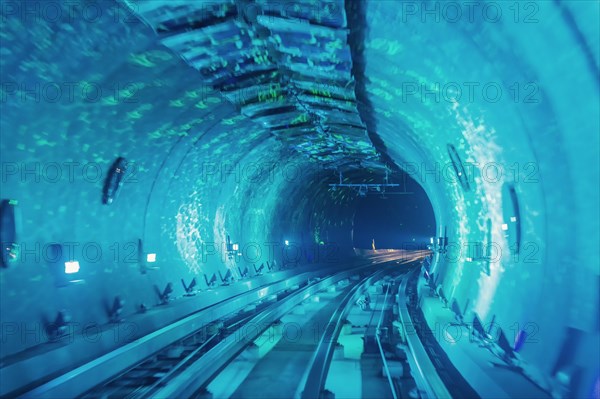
x=396, y=217
x=149, y=143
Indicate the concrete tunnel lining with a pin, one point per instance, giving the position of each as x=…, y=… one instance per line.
x=541, y=132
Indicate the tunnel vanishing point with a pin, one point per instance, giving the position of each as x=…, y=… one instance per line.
x=299, y=199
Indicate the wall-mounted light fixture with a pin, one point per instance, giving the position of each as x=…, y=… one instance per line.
x=71, y=267
x=511, y=225
x=232, y=249
x=64, y=270
x=114, y=180
x=145, y=258
x=9, y=228
x=459, y=168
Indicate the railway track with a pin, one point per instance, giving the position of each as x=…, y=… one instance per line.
x=193, y=381
x=154, y=365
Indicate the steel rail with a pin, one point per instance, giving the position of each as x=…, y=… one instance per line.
x=197, y=375
x=424, y=372
x=315, y=377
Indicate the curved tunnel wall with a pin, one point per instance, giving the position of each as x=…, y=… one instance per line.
x=522, y=118
x=165, y=120
x=198, y=171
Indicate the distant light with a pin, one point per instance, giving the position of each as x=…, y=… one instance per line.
x=150, y=258
x=431, y=240
x=504, y=226
x=236, y=247
x=513, y=219
x=287, y=242
x=469, y=259
x=71, y=267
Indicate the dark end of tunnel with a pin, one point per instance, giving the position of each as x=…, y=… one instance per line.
x=399, y=219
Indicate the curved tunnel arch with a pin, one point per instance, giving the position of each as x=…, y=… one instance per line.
x=542, y=134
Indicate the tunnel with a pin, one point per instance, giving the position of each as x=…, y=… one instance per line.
x=299, y=199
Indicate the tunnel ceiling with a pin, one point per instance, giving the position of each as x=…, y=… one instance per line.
x=288, y=69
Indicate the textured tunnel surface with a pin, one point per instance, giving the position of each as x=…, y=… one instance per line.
x=237, y=119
